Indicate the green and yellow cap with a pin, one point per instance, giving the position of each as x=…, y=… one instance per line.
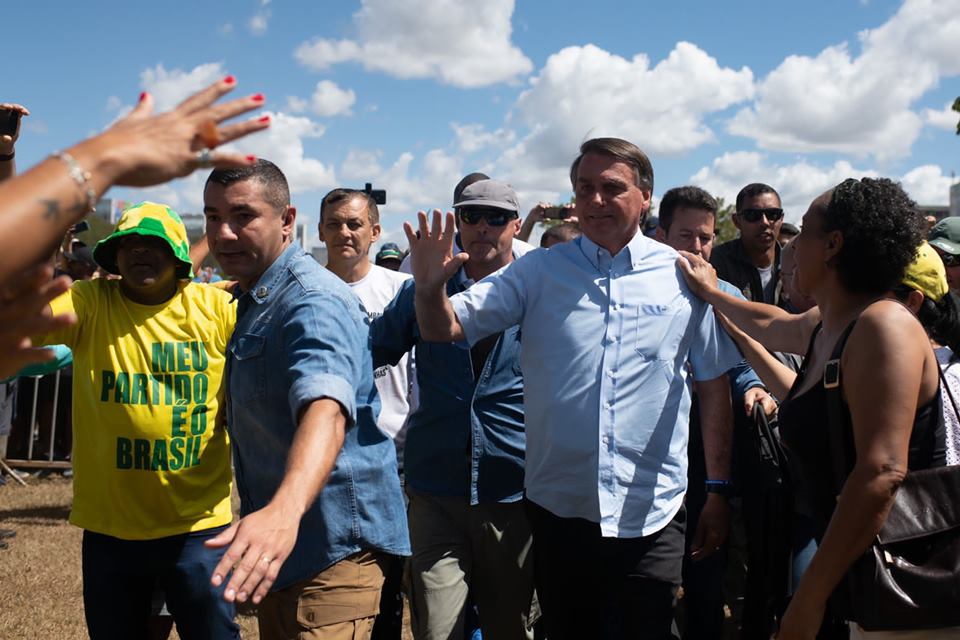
x=147, y=219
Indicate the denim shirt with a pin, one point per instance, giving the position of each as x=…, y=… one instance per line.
x=302, y=335
x=742, y=376
x=467, y=436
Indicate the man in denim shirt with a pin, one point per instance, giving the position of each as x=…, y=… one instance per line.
x=465, y=447
x=320, y=498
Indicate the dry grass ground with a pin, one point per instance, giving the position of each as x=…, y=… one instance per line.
x=41, y=592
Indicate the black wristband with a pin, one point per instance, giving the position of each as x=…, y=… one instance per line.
x=722, y=487
x=7, y=157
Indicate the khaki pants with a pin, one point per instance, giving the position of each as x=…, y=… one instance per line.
x=482, y=549
x=339, y=603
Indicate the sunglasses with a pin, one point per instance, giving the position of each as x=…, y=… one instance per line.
x=491, y=215
x=753, y=215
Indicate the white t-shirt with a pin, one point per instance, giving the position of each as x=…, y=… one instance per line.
x=376, y=291
x=951, y=422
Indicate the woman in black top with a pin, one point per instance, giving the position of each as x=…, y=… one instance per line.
x=856, y=242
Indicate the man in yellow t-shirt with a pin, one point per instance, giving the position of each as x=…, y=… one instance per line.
x=151, y=457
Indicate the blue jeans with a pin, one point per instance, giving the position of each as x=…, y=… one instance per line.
x=119, y=577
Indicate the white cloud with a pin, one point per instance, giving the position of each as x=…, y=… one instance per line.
x=942, y=119
x=928, y=185
x=282, y=144
x=460, y=43
x=330, y=100
x=169, y=88
x=260, y=20
x=799, y=183
x=361, y=165
x=296, y=105
x=586, y=92
x=473, y=137
x=858, y=104
x=225, y=29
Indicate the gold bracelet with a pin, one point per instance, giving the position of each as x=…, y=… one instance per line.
x=83, y=178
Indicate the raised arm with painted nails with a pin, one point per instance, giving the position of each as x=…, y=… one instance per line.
x=139, y=150
x=433, y=263
x=775, y=328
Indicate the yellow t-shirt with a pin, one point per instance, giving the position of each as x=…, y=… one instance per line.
x=150, y=451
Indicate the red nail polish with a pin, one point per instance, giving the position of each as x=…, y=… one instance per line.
x=229, y=80
x=257, y=97
x=251, y=158
x=143, y=96
x=263, y=119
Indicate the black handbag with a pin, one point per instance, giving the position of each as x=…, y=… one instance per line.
x=909, y=578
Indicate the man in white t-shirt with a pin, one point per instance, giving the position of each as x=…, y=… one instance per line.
x=349, y=225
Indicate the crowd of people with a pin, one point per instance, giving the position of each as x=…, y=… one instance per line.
x=526, y=442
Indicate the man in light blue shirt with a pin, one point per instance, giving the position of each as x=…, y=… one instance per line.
x=608, y=329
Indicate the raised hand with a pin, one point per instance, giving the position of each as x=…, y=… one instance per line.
x=25, y=311
x=147, y=149
x=431, y=254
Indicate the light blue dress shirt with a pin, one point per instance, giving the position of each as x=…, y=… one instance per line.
x=606, y=341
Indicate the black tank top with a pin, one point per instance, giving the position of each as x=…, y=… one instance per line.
x=806, y=439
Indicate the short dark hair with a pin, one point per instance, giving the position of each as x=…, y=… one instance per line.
x=339, y=195
x=621, y=150
x=564, y=232
x=754, y=189
x=276, y=191
x=688, y=197
x=881, y=230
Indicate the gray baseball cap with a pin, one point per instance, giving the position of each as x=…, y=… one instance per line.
x=489, y=193
x=945, y=235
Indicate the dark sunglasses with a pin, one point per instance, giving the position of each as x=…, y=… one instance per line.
x=491, y=215
x=753, y=215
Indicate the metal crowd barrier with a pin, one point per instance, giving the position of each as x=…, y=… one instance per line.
x=34, y=428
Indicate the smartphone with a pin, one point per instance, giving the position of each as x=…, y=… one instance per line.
x=557, y=213
x=9, y=121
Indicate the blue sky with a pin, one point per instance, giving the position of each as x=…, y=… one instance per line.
x=412, y=94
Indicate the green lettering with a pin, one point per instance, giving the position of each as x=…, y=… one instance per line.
x=198, y=419
x=181, y=389
x=176, y=453
x=162, y=357
x=188, y=455
x=138, y=394
x=141, y=454
x=183, y=362
x=124, y=458
x=195, y=460
x=122, y=392
x=200, y=385
x=198, y=354
x=179, y=420
x=159, y=462
x=108, y=380
x=168, y=389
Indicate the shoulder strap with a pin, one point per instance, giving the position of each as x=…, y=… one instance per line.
x=838, y=420
x=946, y=387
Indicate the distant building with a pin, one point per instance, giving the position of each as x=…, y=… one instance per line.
x=319, y=253
x=955, y=200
